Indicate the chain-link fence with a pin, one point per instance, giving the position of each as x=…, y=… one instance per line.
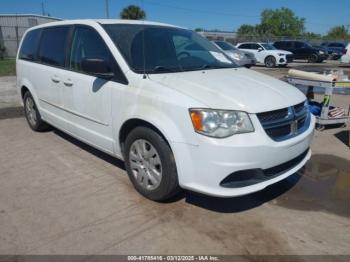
x=10, y=37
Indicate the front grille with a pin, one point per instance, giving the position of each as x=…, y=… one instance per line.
x=285, y=123
x=299, y=107
x=273, y=115
x=279, y=131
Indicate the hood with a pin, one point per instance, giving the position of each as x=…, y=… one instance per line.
x=235, y=52
x=233, y=89
x=278, y=51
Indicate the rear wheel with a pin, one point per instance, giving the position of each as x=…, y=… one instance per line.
x=270, y=62
x=313, y=58
x=150, y=164
x=32, y=114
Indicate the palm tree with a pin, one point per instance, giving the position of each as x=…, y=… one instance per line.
x=132, y=12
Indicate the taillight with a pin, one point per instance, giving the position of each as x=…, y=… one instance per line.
x=345, y=51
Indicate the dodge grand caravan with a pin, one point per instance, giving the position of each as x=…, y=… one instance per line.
x=168, y=102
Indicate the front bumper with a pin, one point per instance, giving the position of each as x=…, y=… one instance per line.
x=282, y=60
x=202, y=168
x=345, y=59
x=246, y=61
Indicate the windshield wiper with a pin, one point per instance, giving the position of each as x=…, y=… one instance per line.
x=207, y=66
x=163, y=69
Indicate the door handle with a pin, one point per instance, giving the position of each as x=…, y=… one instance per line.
x=55, y=79
x=68, y=82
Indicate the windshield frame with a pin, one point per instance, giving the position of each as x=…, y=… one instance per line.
x=203, y=67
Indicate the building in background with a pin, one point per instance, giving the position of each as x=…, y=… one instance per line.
x=219, y=35
x=12, y=28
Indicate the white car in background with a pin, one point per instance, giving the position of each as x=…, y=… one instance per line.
x=345, y=59
x=267, y=54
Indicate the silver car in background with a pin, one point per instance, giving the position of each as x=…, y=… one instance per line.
x=241, y=58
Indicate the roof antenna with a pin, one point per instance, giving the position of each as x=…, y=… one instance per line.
x=143, y=44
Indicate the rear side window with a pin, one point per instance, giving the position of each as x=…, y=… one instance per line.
x=279, y=44
x=298, y=44
x=29, y=46
x=245, y=46
x=53, y=45
x=255, y=46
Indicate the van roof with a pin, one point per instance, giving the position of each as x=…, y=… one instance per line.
x=102, y=21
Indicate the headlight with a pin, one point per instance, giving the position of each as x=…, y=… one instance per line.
x=220, y=123
x=237, y=56
x=321, y=52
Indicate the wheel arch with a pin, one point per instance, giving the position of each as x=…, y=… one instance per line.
x=26, y=86
x=131, y=124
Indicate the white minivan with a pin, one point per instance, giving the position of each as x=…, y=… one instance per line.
x=168, y=102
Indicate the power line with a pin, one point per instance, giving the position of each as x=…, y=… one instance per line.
x=107, y=8
x=200, y=11
x=42, y=8
x=219, y=13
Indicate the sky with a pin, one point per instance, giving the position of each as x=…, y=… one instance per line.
x=225, y=15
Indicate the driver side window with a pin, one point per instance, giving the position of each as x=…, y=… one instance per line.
x=87, y=43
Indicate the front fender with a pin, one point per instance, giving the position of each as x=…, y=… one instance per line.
x=175, y=125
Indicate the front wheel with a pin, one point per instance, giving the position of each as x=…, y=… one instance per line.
x=270, y=62
x=150, y=164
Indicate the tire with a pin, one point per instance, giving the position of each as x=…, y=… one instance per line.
x=248, y=66
x=270, y=62
x=313, y=58
x=150, y=164
x=32, y=114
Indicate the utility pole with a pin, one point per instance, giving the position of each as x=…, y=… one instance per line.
x=42, y=8
x=107, y=9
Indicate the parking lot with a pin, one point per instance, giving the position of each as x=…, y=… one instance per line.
x=60, y=196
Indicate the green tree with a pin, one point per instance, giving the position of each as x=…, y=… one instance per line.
x=281, y=22
x=311, y=36
x=246, y=30
x=275, y=22
x=338, y=32
x=199, y=29
x=132, y=12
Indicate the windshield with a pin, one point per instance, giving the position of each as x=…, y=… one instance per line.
x=160, y=49
x=268, y=47
x=225, y=46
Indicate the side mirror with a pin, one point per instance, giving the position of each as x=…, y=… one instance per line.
x=260, y=49
x=97, y=67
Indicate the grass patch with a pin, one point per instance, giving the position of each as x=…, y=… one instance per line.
x=8, y=67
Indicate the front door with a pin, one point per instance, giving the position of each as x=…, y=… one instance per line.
x=87, y=98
